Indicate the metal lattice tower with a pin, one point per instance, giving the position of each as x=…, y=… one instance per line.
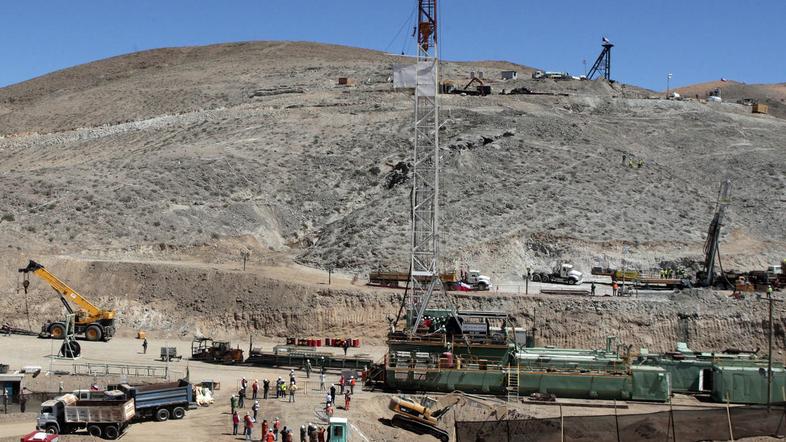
x=713, y=235
x=425, y=175
x=602, y=65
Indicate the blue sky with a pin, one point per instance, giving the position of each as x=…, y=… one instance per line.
x=696, y=40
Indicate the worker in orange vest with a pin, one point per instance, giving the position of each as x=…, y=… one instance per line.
x=614, y=288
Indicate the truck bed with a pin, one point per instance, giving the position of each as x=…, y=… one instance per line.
x=158, y=395
x=99, y=411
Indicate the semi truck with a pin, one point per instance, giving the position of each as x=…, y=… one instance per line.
x=464, y=281
x=106, y=418
x=562, y=273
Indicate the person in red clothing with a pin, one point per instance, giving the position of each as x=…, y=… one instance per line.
x=235, y=422
x=276, y=427
x=254, y=389
x=352, y=383
x=269, y=437
x=249, y=423
x=321, y=434
x=264, y=428
x=347, y=398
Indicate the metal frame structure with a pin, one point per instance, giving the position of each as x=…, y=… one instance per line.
x=424, y=273
x=603, y=63
x=713, y=235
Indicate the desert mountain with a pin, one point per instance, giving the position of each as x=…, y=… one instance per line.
x=204, y=151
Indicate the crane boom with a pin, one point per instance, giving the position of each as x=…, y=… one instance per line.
x=92, y=320
x=63, y=289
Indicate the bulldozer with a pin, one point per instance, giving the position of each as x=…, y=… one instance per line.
x=420, y=417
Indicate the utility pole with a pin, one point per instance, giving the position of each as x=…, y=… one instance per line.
x=770, y=300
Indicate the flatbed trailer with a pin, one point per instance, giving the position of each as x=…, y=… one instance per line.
x=286, y=356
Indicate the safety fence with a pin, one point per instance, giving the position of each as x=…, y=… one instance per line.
x=673, y=425
x=101, y=369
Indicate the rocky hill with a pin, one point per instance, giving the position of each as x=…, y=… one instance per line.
x=773, y=95
x=201, y=152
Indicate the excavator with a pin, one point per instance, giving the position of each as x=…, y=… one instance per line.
x=420, y=417
x=94, y=323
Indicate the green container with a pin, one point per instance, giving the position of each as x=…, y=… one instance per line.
x=746, y=385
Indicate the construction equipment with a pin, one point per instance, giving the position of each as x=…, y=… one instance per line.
x=602, y=65
x=707, y=277
x=102, y=418
x=420, y=417
x=94, y=323
x=462, y=281
x=206, y=349
x=562, y=273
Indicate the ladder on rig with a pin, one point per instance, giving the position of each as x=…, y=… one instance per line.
x=513, y=383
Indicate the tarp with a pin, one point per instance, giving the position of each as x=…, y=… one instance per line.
x=421, y=75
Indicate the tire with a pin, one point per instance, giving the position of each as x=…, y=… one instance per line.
x=536, y=278
x=51, y=429
x=178, y=413
x=70, y=349
x=544, y=278
x=57, y=330
x=94, y=333
x=162, y=414
x=111, y=432
x=482, y=287
x=572, y=281
x=94, y=430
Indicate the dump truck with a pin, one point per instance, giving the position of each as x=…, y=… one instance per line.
x=420, y=417
x=160, y=401
x=93, y=322
x=468, y=280
x=561, y=274
x=101, y=418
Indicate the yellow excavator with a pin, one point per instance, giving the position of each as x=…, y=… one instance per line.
x=420, y=417
x=94, y=323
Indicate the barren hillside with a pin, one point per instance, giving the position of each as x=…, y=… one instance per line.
x=206, y=150
x=116, y=171
x=774, y=95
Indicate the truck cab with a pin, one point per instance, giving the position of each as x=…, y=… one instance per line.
x=51, y=417
x=567, y=272
x=338, y=430
x=478, y=281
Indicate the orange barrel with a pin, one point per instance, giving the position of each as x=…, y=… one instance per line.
x=318, y=342
x=327, y=342
x=312, y=342
x=356, y=342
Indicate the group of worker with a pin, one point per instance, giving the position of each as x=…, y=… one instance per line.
x=269, y=432
x=347, y=389
x=671, y=273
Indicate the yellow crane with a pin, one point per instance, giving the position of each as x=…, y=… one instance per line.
x=93, y=322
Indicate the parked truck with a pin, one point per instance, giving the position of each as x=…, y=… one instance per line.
x=464, y=280
x=562, y=273
x=101, y=418
x=161, y=401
